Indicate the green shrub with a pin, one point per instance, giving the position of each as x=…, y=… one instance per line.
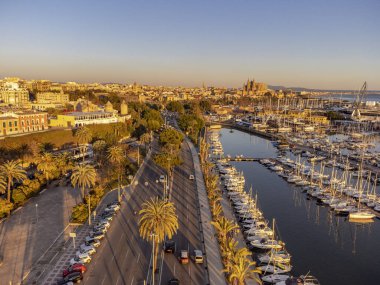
x=18, y=197
x=80, y=213
x=5, y=207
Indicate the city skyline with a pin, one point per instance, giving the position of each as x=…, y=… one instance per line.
x=333, y=45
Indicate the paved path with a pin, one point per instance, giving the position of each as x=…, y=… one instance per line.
x=30, y=231
x=213, y=257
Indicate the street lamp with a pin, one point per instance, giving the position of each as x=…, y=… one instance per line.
x=37, y=213
x=153, y=235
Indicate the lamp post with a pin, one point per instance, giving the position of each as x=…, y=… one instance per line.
x=89, y=209
x=36, y=213
x=153, y=235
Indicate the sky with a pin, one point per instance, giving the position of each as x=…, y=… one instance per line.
x=325, y=44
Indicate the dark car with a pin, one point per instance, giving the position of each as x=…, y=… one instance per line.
x=169, y=246
x=173, y=281
x=76, y=267
x=75, y=277
x=113, y=203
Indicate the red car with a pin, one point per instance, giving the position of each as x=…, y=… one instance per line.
x=76, y=267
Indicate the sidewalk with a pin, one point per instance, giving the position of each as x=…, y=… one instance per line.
x=211, y=246
x=55, y=266
x=26, y=237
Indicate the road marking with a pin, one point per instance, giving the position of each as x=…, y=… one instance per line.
x=133, y=278
x=103, y=280
x=138, y=258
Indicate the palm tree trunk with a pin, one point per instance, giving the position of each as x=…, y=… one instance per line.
x=9, y=190
x=82, y=193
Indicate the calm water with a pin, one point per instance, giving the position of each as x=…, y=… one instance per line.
x=331, y=248
x=368, y=97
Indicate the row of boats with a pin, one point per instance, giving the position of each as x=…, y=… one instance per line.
x=273, y=259
x=346, y=192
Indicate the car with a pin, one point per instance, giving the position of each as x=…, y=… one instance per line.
x=93, y=242
x=99, y=229
x=108, y=218
x=76, y=267
x=169, y=246
x=109, y=213
x=162, y=178
x=86, y=249
x=98, y=235
x=89, y=240
x=198, y=256
x=173, y=281
x=103, y=222
x=114, y=203
x=112, y=208
x=184, y=257
x=82, y=258
x=74, y=277
x=191, y=177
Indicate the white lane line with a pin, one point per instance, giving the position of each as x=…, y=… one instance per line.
x=103, y=280
x=138, y=258
x=133, y=278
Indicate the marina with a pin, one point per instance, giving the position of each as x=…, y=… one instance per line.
x=333, y=247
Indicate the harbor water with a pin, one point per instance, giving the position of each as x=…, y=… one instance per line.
x=336, y=251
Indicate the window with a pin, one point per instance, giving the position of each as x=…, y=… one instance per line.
x=15, y=124
x=4, y=124
x=10, y=124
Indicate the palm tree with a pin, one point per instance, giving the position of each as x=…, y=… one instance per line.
x=12, y=170
x=145, y=138
x=63, y=162
x=46, y=165
x=116, y=157
x=99, y=147
x=224, y=226
x=84, y=136
x=157, y=220
x=84, y=176
x=241, y=270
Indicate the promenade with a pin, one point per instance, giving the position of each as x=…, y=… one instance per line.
x=213, y=257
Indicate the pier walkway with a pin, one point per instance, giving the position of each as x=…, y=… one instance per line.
x=227, y=212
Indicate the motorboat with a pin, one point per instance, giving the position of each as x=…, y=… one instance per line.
x=275, y=269
x=361, y=216
x=275, y=278
x=267, y=244
x=275, y=257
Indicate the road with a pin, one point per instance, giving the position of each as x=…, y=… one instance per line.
x=124, y=258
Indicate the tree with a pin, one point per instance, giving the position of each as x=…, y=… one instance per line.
x=63, y=162
x=99, y=148
x=46, y=164
x=46, y=147
x=224, y=226
x=145, y=138
x=116, y=157
x=12, y=170
x=3, y=183
x=157, y=220
x=84, y=176
x=175, y=106
x=84, y=136
x=243, y=269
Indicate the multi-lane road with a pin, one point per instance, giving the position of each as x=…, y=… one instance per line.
x=125, y=258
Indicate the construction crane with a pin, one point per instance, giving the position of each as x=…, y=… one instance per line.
x=359, y=99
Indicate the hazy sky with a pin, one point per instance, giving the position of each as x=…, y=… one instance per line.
x=310, y=43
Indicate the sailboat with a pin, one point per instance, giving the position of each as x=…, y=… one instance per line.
x=361, y=215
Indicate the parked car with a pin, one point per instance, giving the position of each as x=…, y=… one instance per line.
x=198, y=256
x=110, y=213
x=191, y=177
x=76, y=267
x=113, y=203
x=92, y=241
x=97, y=235
x=75, y=277
x=173, y=281
x=82, y=258
x=162, y=178
x=99, y=229
x=169, y=246
x=184, y=257
x=86, y=249
x=112, y=208
x=103, y=222
x=108, y=218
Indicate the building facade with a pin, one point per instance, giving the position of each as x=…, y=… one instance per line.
x=22, y=122
x=12, y=94
x=52, y=97
x=78, y=119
